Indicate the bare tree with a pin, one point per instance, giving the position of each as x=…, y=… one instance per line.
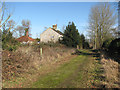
x=5, y=21
x=11, y=26
x=4, y=15
x=101, y=21
x=26, y=26
x=26, y=23
x=20, y=30
x=45, y=28
x=93, y=24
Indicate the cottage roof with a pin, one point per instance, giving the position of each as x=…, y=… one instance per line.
x=25, y=39
x=59, y=32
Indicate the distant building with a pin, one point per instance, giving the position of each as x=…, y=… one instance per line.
x=51, y=35
x=25, y=39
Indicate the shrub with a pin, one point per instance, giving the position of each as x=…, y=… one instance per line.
x=114, y=47
x=86, y=45
x=12, y=48
x=8, y=41
x=52, y=44
x=106, y=43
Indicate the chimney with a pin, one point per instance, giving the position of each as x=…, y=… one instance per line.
x=55, y=26
x=27, y=33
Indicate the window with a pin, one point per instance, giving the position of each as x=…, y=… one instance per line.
x=52, y=37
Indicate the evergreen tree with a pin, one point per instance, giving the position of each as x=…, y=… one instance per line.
x=82, y=41
x=71, y=35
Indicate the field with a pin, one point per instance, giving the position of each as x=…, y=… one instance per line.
x=66, y=68
x=53, y=45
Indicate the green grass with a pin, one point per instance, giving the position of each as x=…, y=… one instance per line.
x=79, y=72
x=73, y=74
x=55, y=78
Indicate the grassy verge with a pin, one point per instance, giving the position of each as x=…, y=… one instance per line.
x=27, y=78
x=74, y=71
x=53, y=79
x=80, y=72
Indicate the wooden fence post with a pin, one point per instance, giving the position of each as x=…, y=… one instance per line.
x=41, y=52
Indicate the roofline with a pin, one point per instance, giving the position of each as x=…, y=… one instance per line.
x=51, y=29
x=45, y=30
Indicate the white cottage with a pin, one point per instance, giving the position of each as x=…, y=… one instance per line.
x=51, y=35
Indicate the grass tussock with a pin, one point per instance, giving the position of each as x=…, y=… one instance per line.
x=111, y=69
x=26, y=60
